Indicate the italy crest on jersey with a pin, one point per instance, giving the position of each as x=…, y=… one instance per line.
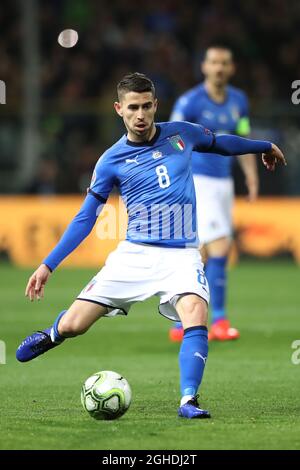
x=177, y=142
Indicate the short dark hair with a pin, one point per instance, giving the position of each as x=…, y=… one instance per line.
x=219, y=45
x=137, y=82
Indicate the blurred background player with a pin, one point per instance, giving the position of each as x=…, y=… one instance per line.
x=224, y=109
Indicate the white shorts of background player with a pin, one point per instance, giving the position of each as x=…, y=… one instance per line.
x=214, y=198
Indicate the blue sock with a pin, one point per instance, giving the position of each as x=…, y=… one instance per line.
x=192, y=359
x=216, y=274
x=55, y=336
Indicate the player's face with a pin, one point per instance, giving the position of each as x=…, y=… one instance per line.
x=138, y=111
x=218, y=66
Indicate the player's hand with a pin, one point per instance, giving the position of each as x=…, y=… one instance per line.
x=274, y=156
x=36, y=284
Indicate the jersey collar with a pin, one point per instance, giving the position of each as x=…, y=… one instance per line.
x=147, y=143
x=213, y=101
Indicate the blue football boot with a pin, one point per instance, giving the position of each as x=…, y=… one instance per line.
x=191, y=410
x=35, y=345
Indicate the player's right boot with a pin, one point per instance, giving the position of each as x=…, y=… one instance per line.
x=192, y=410
x=35, y=345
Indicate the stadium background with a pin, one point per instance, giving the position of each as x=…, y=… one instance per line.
x=57, y=120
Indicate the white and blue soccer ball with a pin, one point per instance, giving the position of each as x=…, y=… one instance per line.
x=106, y=395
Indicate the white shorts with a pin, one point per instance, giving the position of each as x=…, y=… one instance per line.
x=135, y=272
x=214, y=197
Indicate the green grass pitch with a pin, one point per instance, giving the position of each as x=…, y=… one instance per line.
x=250, y=386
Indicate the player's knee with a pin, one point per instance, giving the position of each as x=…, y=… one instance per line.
x=71, y=327
x=193, y=310
x=198, y=310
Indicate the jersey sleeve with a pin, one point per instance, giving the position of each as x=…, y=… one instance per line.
x=235, y=145
x=243, y=128
x=103, y=179
x=181, y=110
x=76, y=232
x=202, y=139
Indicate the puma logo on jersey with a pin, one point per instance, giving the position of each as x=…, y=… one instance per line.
x=132, y=160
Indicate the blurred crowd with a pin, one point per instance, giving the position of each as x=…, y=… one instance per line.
x=164, y=39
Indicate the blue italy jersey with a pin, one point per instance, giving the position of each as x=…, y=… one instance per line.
x=155, y=181
x=229, y=117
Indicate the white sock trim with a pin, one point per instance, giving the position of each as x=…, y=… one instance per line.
x=185, y=399
x=52, y=335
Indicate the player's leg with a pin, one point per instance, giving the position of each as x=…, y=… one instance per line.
x=176, y=331
x=207, y=191
x=214, y=213
x=79, y=318
x=121, y=282
x=192, y=311
x=72, y=322
x=216, y=274
x=185, y=297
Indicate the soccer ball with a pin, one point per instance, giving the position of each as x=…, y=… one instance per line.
x=106, y=395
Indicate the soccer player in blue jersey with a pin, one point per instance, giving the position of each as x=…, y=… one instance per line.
x=224, y=110
x=151, y=167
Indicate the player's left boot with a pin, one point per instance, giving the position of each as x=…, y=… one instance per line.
x=35, y=345
x=192, y=410
x=222, y=331
x=176, y=334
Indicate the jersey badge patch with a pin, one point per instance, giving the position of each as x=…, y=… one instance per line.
x=156, y=155
x=177, y=142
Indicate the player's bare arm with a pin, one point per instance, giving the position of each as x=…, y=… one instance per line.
x=249, y=167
